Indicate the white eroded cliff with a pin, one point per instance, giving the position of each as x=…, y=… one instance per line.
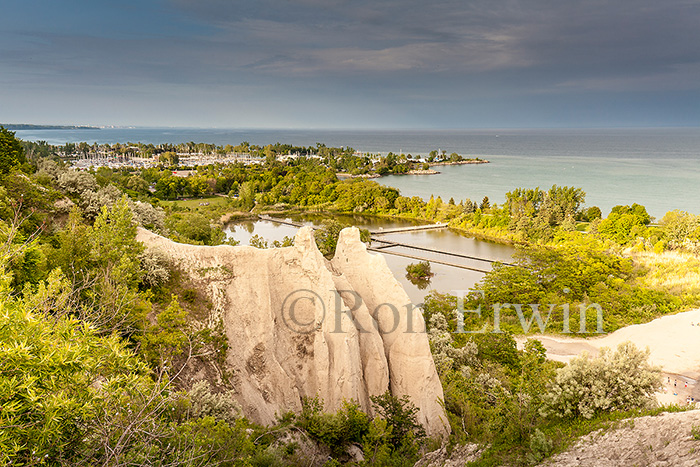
x=299, y=325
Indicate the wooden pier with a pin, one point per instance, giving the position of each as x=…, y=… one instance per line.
x=389, y=244
x=282, y=221
x=414, y=228
x=437, y=261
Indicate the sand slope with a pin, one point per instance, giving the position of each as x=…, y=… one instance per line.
x=662, y=440
x=673, y=341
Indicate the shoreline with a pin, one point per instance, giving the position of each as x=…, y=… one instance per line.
x=344, y=176
x=488, y=236
x=467, y=162
x=420, y=172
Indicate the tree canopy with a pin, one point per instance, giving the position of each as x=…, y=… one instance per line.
x=11, y=151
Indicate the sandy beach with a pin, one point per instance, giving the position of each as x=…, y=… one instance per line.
x=673, y=342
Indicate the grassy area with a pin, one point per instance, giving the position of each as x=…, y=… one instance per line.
x=675, y=271
x=197, y=203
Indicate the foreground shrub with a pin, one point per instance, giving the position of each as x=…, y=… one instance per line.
x=348, y=425
x=616, y=380
x=55, y=375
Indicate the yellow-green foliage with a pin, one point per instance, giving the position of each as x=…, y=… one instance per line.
x=681, y=228
x=103, y=263
x=573, y=274
x=625, y=223
x=52, y=378
x=675, y=271
x=168, y=337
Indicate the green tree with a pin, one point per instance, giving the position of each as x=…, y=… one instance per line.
x=246, y=195
x=104, y=266
x=166, y=340
x=327, y=237
x=592, y=214
x=420, y=270
x=11, y=151
x=680, y=226
x=114, y=244
x=192, y=228
x=169, y=159
x=50, y=372
x=485, y=204
x=400, y=414
x=625, y=223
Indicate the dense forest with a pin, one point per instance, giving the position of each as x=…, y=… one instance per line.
x=94, y=331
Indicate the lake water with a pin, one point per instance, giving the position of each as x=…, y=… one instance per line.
x=659, y=168
x=446, y=278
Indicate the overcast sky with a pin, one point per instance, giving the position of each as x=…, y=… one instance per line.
x=351, y=64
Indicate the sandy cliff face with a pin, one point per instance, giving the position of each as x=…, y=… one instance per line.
x=299, y=325
x=662, y=440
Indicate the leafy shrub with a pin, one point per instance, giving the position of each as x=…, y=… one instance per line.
x=348, y=425
x=540, y=446
x=155, y=268
x=400, y=415
x=420, y=270
x=203, y=402
x=50, y=370
x=616, y=380
x=167, y=338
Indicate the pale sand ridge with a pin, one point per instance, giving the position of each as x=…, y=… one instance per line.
x=673, y=342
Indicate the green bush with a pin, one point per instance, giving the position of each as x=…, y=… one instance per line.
x=420, y=270
x=540, y=447
x=50, y=372
x=348, y=425
x=400, y=415
x=615, y=381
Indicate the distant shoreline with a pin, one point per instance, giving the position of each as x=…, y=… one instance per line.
x=347, y=175
x=470, y=161
x=27, y=126
x=421, y=172
x=342, y=175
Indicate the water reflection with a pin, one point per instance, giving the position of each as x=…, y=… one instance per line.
x=445, y=278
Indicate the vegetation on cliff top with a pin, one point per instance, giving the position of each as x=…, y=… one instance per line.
x=95, y=333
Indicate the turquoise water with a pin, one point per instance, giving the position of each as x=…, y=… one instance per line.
x=659, y=168
x=660, y=185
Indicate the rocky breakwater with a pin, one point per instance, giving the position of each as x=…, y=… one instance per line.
x=300, y=325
